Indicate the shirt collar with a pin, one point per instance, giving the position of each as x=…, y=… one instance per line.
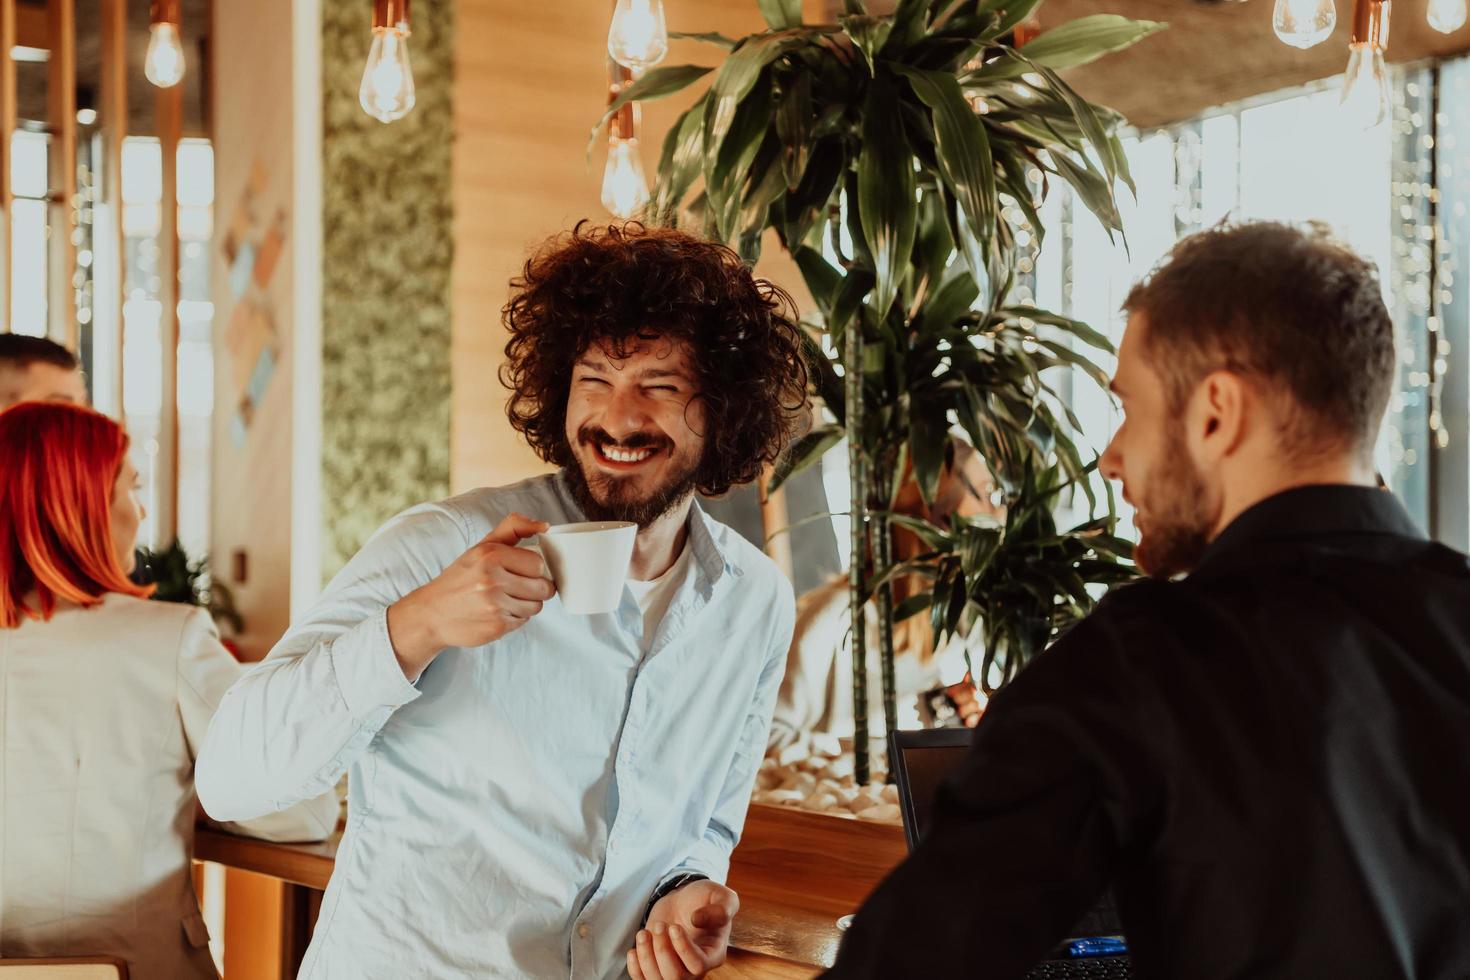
x=1336, y=509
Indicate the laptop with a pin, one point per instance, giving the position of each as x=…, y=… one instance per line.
x=919, y=762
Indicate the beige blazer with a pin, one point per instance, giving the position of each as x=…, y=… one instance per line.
x=102, y=711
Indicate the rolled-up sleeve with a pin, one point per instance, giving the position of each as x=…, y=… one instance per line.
x=710, y=856
x=291, y=726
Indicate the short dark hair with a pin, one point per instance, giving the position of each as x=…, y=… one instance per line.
x=20, y=351
x=617, y=285
x=1284, y=304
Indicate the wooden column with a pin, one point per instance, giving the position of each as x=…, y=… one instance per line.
x=170, y=124
x=113, y=112
x=7, y=127
x=61, y=113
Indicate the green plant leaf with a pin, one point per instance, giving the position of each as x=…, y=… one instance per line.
x=912, y=606
x=738, y=75
x=781, y=14
x=708, y=37
x=928, y=438
x=725, y=172
x=1077, y=328
x=1077, y=42
x=855, y=287
x=822, y=280
x=804, y=207
x=952, y=300
x=1092, y=187
x=869, y=33
x=908, y=25
x=657, y=84
x=964, y=155
x=680, y=162
x=886, y=200
x=793, y=126
x=1012, y=12
x=803, y=453
x=933, y=536
x=825, y=382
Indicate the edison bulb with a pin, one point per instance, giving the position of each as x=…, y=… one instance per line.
x=1365, y=87
x=387, y=92
x=164, y=63
x=1446, y=16
x=638, y=38
x=624, y=189
x=1304, y=23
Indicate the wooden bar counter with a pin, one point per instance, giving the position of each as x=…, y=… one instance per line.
x=796, y=873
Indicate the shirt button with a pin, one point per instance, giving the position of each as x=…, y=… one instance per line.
x=582, y=930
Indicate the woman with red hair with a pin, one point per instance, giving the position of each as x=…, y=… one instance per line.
x=105, y=698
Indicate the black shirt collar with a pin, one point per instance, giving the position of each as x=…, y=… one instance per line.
x=1314, y=511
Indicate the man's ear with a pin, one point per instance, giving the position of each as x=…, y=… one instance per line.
x=1219, y=416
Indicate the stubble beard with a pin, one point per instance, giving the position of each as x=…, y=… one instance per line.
x=608, y=497
x=1177, y=530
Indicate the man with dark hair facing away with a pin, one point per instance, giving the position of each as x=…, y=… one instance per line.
x=529, y=789
x=34, y=369
x=1262, y=750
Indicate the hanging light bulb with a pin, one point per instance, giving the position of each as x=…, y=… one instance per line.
x=1446, y=16
x=624, y=187
x=638, y=38
x=387, y=92
x=1365, y=85
x=1304, y=23
x=163, y=65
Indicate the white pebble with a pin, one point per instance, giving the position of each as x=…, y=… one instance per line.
x=886, y=813
x=890, y=793
x=827, y=744
x=793, y=753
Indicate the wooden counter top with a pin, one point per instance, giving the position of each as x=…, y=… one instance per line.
x=834, y=861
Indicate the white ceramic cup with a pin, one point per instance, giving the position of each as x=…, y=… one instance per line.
x=589, y=563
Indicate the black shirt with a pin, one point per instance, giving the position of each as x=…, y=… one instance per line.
x=1268, y=762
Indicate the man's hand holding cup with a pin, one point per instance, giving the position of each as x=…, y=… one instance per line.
x=492, y=589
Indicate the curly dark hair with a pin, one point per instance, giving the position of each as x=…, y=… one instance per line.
x=619, y=285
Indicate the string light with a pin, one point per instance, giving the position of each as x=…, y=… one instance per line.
x=1365, y=84
x=163, y=65
x=387, y=91
x=624, y=186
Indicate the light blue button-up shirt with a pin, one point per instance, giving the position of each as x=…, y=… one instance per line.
x=510, y=813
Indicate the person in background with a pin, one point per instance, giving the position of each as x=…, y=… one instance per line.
x=530, y=788
x=1262, y=748
x=816, y=693
x=105, y=698
x=34, y=369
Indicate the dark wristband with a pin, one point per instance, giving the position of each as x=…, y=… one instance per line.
x=673, y=884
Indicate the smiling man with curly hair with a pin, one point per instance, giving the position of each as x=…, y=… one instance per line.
x=535, y=793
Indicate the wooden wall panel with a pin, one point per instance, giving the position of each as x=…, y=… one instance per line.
x=251, y=484
x=530, y=79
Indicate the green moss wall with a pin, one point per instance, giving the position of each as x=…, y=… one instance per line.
x=385, y=301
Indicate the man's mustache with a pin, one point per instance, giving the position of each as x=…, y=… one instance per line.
x=591, y=435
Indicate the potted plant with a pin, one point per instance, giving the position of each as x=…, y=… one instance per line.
x=898, y=158
x=178, y=578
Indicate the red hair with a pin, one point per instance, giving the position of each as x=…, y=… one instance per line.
x=58, y=465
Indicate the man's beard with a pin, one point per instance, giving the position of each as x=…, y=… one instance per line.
x=1175, y=503
x=605, y=497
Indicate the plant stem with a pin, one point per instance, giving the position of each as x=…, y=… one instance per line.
x=857, y=567
x=882, y=561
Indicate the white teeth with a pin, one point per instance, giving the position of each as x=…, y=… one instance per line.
x=626, y=456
